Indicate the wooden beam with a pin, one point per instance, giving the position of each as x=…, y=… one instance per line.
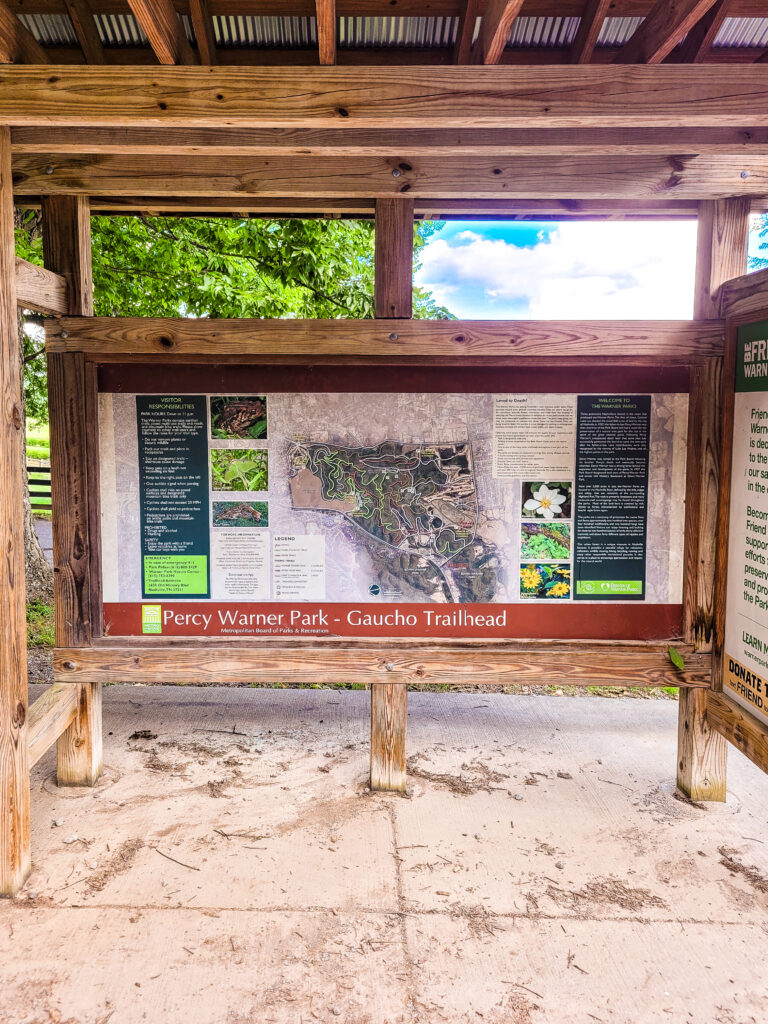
x=721, y=251
x=740, y=728
x=49, y=716
x=503, y=97
x=744, y=295
x=375, y=662
x=701, y=750
x=389, y=719
x=15, y=858
x=204, y=34
x=67, y=249
x=40, y=289
x=546, y=177
x=393, y=272
x=163, y=27
x=590, y=24
x=325, y=16
x=86, y=31
x=701, y=753
x=736, y=143
x=701, y=37
x=495, y=28
x=660, y=32
x=470, y=10
x=506, y=342
x=428, y=209
x=17, y=44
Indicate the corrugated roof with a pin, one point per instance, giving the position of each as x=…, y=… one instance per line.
x=255, y=31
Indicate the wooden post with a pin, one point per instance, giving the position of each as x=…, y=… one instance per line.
x=389, y=711
x=67, y=251
x=15, y=856
x=721, y=254
x=393, y=287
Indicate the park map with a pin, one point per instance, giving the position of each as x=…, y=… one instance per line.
x=414, y=505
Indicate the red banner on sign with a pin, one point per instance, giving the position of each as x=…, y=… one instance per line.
x=471, y=621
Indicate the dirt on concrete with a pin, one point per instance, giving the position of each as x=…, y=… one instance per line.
x=232, y=867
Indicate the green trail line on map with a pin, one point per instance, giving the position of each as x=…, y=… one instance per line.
x=418, y=501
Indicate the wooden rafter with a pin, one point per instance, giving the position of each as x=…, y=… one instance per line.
x=660, y=32
x=465, y=33
x=81, y=16
x=495, y=28
x=588, y=31
x=17, y=44
x=163, y=27
x=701, y=36
x=326, y=30
x=204, y=35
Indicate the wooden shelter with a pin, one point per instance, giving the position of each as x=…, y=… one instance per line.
x=469, y=120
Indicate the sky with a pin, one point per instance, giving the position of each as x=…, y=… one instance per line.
x=622, y=270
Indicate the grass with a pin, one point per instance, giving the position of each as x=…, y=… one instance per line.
x=38, y=440
x=40, y=631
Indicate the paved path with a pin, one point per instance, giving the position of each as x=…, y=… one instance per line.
x=45, y=536
x=233, y=869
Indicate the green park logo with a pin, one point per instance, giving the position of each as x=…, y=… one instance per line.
x=151, y=618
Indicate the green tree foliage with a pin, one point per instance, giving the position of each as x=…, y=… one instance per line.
x=225, y=267
x=760, y=262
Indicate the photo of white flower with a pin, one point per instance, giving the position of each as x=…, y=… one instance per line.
x=546, y=500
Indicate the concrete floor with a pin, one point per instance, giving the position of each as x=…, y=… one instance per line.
x=233, y=869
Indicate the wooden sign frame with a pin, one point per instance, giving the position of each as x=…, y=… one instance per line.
x=77, y=347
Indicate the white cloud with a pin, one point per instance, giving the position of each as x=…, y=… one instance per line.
x=619, y=270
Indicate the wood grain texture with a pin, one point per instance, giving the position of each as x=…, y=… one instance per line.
x=701, y=37
x=590, y=24
x=15, y=858
x=163, y=27
x=69, y=489
x=430, y=209
x=67, y=247
x=460, y=97
x=701, y=504
x=702, y=752
x=653, y=342
x=470, y=10
x=573, y=664
x=745, y=296
x=740, y=728
x=79, y=748
x=651, y=176
x=385, y=142
x=393, y=271
x=721, y=251
x=498, y=18
x=389, y=719
x=81, y=16
x=204, y=35
x=74, y=444
x=41, y=289
x=662, y=29
x=17, y=44
x=325, y=15
x=52, y=713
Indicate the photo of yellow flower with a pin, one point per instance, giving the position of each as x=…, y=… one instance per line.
x=545, y=582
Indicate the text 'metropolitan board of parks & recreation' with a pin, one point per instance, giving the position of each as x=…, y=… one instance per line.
x=276, y=513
